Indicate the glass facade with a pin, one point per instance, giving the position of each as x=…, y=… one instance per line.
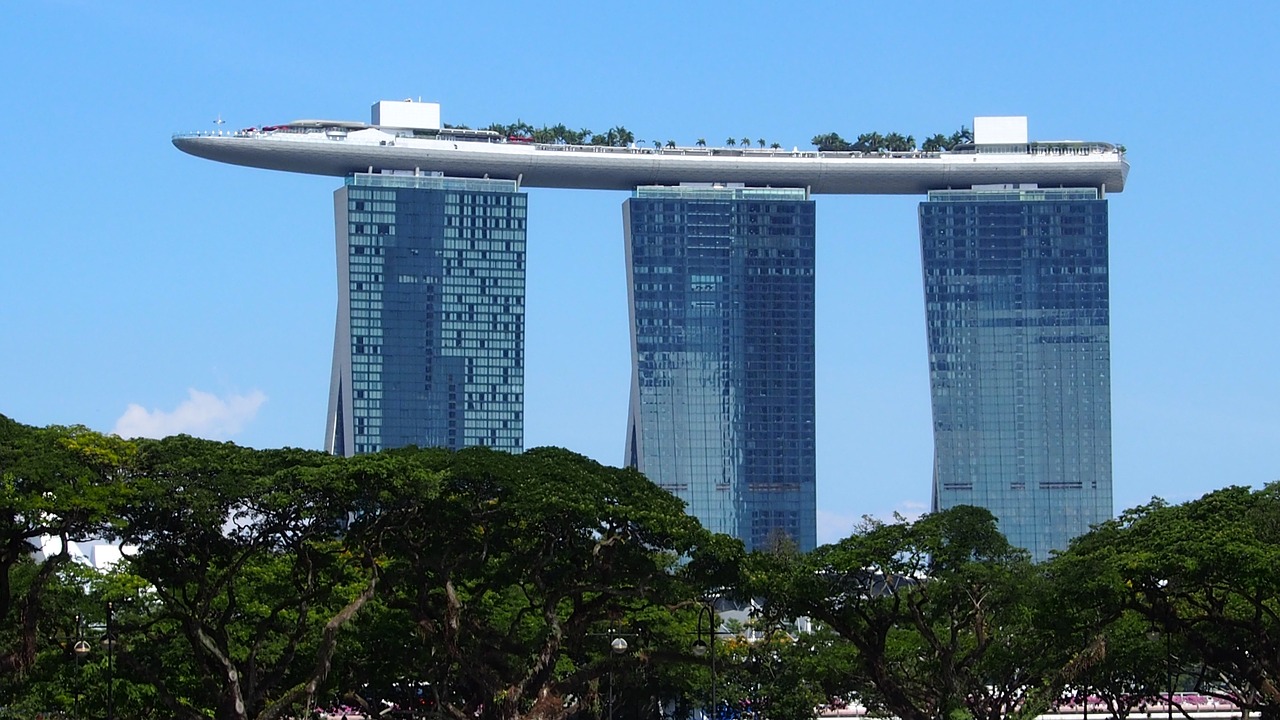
x=429, y=346
x=1018, y=324
x=721, y=290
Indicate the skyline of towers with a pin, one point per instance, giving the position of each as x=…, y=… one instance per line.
x=1018, y=324
x=429, y=344
x=429, y=339
x=720, y=284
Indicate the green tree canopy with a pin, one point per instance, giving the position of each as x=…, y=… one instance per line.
x=510, y=574
x=925, y=604
x=1202, y=575
x=247, y=571
x=65, y=484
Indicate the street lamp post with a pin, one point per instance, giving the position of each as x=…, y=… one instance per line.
x=1165, y=593
x=1168, y=658
x=110, y=642
x=81, y=650
x=618, y=646
x=701, y=648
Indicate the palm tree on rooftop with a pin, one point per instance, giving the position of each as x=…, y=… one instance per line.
x=935, y=143
x=897, y=142
x=960, y=137
x=730, y=142
x=619, y=136
x=746, y=142
x=775, y=146
x=671, y=143
x=761, y=142
x=702, y=142
x=870, y=142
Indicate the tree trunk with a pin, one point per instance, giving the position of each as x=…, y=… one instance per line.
x=305, y=693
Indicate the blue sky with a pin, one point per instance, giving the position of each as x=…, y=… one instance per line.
x=148, y=291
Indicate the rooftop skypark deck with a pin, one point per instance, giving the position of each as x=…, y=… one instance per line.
x=407, y=142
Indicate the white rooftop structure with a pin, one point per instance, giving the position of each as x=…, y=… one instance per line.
x=407, y=136
x=1002, y=130
x=407, y=115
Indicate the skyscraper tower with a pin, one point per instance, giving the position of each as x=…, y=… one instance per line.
x=1018, y=324
x=429, y=345
x=721, y=290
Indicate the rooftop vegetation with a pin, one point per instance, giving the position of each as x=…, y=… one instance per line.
x=891, y=142
x=620, y=136
x=561, y=134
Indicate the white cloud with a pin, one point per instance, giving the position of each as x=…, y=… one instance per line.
x=202, y=414
x=834, y=526
x=911, y=509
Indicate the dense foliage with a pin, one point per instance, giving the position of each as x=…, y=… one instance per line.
x=619, y=136
x=872, y=142
x=478, y=584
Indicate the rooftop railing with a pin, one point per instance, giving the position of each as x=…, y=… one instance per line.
x=262, y=132
x=712, y=192
x=1012, y=194
x=213, y=133
x=431, y=182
